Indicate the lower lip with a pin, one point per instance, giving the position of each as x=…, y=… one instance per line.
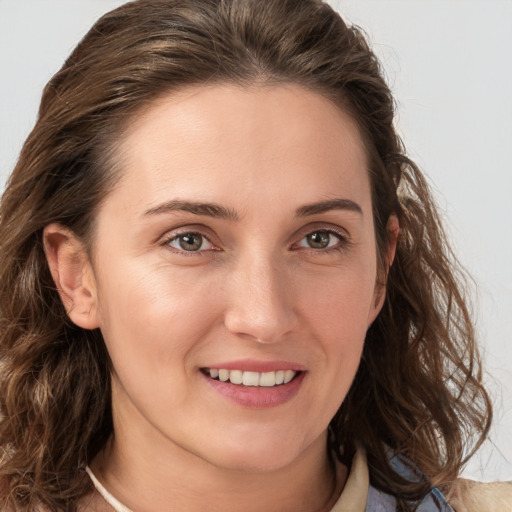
x=257, y=397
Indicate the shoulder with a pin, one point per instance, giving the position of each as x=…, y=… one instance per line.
x=470, y=496
x=433, y=501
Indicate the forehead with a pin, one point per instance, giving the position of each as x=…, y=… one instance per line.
x=241, y=140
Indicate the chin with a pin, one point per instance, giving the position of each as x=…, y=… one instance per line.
x=254, y=455
x=247, y=463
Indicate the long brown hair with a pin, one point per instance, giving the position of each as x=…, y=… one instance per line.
x=418, y=390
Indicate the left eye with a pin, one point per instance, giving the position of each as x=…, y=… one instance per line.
x=190, y=242
x=322, y=239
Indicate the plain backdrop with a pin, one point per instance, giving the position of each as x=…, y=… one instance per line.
x=449, y=63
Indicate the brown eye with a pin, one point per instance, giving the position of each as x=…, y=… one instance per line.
x=190, y=242
x=321, y=239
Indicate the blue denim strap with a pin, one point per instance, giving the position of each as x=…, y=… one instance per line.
x=434, y=501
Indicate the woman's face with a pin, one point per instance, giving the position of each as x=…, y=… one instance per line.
x=239, y=244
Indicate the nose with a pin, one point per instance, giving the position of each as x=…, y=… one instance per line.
x=260, y=305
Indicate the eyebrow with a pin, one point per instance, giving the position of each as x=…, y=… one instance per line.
x=207, y=209
x=218, y=211
x=328, y=205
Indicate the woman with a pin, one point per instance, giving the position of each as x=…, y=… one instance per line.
x=224, y=284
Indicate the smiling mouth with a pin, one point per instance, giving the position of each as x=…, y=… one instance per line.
x=254, y=379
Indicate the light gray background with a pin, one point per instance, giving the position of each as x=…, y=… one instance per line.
x=449, y=63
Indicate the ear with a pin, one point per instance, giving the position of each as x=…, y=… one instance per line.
x=73, y=275
x=393, y=230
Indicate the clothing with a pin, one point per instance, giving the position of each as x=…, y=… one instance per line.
x=471, y=496
x=465, y=496
x=359, y=496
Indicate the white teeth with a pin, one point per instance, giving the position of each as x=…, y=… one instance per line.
x=268, y=379
x=250, y=379
x=236, y=376
x=288, y=376
x=264, y=379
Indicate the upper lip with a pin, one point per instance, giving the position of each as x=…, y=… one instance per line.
x=252, y=365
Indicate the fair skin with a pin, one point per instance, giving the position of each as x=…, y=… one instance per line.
x=279, y=274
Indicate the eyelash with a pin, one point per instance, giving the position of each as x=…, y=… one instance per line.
x=176, y=236
x=341, y=245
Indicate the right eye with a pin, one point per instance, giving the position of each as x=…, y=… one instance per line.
x=323, y=239
x=190, y=242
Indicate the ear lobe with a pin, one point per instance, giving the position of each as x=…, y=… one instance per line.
x=393, y=230
x=73, y=275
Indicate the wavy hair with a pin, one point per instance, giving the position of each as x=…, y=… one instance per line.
x=418, y=389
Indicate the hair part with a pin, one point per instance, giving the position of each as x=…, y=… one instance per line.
x=418, y=390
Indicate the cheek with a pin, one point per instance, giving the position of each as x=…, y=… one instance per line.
x=341, y=302
x=338, y=317
x=154, y=315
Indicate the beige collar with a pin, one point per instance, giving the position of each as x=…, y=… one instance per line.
x=355, y=494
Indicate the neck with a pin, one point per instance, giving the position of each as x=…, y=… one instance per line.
x=147, y=472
